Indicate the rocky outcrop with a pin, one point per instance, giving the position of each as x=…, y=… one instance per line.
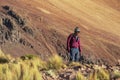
x=18, y=19
x=8, y=23
x=28, y=30
x=12, y=26
x=25, y=43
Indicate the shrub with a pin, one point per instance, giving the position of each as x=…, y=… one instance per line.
x=5, y=73
x=20, y=71
x=28, y=57
x=37, y=62
x=116, y=74
x=72, y=64
x=55, y=62
x=79, y=76
x=3, y=60
x=93, y=75
x=103, y=74
x=15, y=70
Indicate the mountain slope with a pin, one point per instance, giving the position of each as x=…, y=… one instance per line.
x=51, y=21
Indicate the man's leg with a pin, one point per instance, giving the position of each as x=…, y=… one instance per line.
x=72, y=54
x=77, y=56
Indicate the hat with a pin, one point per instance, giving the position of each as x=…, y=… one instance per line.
x=76, y=29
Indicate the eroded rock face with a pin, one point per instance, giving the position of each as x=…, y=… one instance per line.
x=8, y=23
x=12, y=27
x=18, y=19
x=28, y=30
x=25, y=43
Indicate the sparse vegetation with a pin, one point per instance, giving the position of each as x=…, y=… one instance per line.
x=100, y=74
x=116, y=74
x=55, y=62
x=26, y=67
x=31, y=67
x=103, y=74
x=3, y=60
x=79, y=76
x=74, y=64
x=21, y=69
x=93, y=75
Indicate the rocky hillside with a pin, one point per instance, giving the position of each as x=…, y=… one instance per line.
x=19, y=34
x=42, y=26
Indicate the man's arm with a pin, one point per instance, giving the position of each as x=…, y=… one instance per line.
x=68, y=42
x=79, y=46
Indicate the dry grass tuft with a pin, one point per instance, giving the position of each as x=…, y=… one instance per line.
x=55, y=62
x=20, y=69
x=79, y=76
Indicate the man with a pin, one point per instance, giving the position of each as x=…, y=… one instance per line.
x=73, y=45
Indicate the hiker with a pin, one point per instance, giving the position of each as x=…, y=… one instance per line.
x=73, y=45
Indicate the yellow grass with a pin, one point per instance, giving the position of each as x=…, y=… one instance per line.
x=29, y=68
x=20, y=69
x=79, y=76
x=116, y=74
x=99, y=74
x=103, y=75
x=26, y=67
x=5, y=73
x=74, y=64
x=55, y=62
x=93, y=76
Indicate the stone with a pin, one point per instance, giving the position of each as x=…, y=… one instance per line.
x=8, y=23
x=6, y=7
x=28, y=30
